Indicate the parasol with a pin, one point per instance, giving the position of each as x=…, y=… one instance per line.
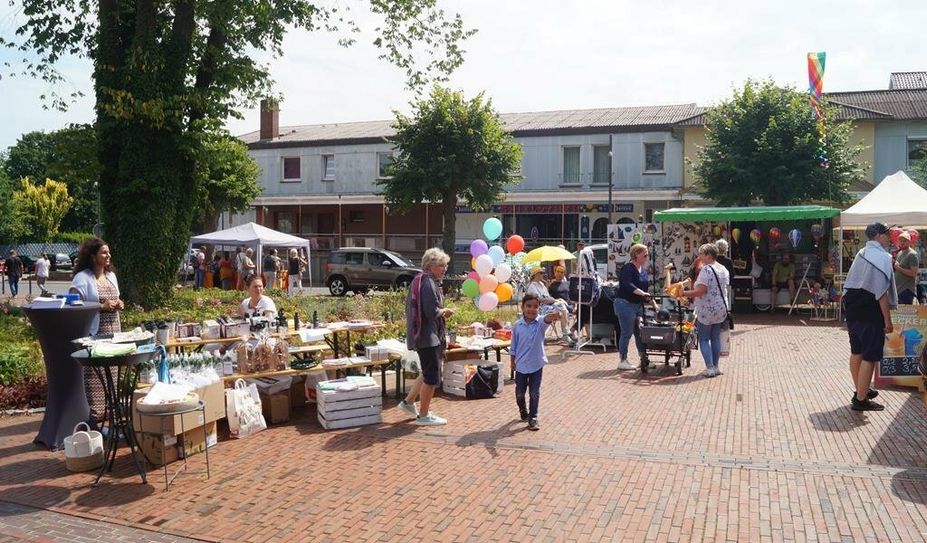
x=548, y=253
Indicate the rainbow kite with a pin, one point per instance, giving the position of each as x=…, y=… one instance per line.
x=815, y=93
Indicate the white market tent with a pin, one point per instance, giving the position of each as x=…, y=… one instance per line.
x=254, y=236
x=896, y=200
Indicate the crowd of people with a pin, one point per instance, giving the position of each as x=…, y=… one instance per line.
x=229, y=271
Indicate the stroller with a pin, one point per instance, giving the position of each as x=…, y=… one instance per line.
x=668, y=333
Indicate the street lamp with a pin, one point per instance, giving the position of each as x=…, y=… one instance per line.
x=609, y=180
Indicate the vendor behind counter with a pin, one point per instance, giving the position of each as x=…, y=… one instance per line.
x=256, y=304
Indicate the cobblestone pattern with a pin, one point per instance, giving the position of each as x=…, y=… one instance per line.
x=769, y=451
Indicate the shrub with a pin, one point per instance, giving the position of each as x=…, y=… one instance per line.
x=71, y=237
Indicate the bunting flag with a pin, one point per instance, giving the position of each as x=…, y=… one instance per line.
x=815, y=94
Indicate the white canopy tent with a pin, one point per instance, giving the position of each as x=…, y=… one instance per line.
x=896, y=200
x=254, y=236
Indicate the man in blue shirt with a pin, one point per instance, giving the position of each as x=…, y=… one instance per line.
x=528, y=356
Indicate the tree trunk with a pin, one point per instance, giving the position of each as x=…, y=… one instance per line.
x=449, y=214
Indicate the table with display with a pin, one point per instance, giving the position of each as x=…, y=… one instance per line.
x=162, y=417
x=456, y=353
x=67, y=400
x=342, y=346
x=119, y=377
x=340, y=371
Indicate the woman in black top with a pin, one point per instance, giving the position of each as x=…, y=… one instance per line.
x=295, y=266
x=633, y=283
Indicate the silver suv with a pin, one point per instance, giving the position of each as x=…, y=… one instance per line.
x=360, y=269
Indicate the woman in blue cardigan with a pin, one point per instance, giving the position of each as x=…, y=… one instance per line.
x=633, y=283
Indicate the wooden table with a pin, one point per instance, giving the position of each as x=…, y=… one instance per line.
x=343, y=349
x=198, y=344
x=382, y=364
x=457, y=353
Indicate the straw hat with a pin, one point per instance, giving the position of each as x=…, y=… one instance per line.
x=536, y=270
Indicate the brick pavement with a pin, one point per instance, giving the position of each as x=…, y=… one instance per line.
x=769, y=451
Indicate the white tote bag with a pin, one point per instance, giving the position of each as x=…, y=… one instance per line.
x=243, y=408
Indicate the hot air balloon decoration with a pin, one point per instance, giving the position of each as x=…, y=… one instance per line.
x=817, y=232
x=716, y=230
x=756, y=235
x=795, y=237
x=775, y=235
x=735, y=235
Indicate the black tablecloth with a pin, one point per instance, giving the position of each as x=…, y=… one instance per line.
x=67, y=402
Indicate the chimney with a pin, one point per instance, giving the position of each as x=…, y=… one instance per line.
x=270, y=118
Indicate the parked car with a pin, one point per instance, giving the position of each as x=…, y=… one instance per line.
x=28, y=263
x=61, y=261
x=359, y=269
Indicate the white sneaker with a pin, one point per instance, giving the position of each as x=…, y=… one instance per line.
x=409, y=408
x=625, y=365
x=429, y=420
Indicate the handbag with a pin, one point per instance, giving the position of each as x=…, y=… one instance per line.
x=729, y=320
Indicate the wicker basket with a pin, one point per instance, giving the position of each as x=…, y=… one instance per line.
x=84, y=463
x=83, y=449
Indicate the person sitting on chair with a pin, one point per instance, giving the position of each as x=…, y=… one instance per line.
x=783, y=275
x=548, y=302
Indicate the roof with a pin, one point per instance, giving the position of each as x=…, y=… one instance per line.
x=887, y=105
x=908, y=80
x=538, y=123
x=735, y=214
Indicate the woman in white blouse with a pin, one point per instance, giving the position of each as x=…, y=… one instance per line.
x=256, y=304
x=710, y=293
x=548, y=302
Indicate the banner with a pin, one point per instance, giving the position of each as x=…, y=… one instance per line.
x=903, y=348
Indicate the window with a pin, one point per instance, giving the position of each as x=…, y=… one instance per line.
x=653, y=157
x=356, y=215
x=328, y=167
x=917, y=150
x=601, y=165
x=286, y=222
x=383, y=160
x=306, y=224
x=571, y=165
x=291, y=168
x=354, y=259
x=336, y=257
x=380, y=259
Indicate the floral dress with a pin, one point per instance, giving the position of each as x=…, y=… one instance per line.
x=109, y=320
x=109, y=324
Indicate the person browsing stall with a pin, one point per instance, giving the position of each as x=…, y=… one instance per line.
x=869, y=293
x=906, y=263
x=549, y=303
x=783, y=276
x=633, y=283
x=256, y=304
x=529, y=358
x=710, y=293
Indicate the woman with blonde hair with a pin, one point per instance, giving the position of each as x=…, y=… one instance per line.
x=633, y=282
x=426, y=333
x=710, y=293
x=295, y=266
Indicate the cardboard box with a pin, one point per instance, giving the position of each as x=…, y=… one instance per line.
x=166, y=449
x=276, y=407
x=213, y=397
x=298, y=392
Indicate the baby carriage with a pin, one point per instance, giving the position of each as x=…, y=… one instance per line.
x=668, y=333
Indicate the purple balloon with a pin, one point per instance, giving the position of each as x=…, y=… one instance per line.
x=478, y=247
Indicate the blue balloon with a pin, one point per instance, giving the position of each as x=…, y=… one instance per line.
x=492, y=228
x=496, y=253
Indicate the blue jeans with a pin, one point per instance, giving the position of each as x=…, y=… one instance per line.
x=198, y=278
x=709, y=342
x=906, y=296
x=14, y=285
x=532, y=383
x=628, y=314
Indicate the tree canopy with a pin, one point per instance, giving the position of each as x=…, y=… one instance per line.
x=229, y=180
x=166, y=74
x=764, y=144
x=43, y=206
x=450, y=148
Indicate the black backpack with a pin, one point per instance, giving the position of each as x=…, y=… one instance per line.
x=483, y=384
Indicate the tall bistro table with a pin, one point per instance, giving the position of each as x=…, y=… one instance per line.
x=119, y=376
x=67, y=400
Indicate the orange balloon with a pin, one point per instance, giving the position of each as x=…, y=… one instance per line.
x=488, y=284
x=504, y=292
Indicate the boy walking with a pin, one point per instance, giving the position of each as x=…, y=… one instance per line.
x=528, y=357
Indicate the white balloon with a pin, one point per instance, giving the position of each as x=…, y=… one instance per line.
x=483, y=265
x=503, y=272
x=488, y=301
x=497, y=253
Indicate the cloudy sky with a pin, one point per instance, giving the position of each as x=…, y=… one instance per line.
x=548, y=54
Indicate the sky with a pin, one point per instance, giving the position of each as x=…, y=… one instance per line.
x=543, y=55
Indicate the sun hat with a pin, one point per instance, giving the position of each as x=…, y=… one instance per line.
x=536, y=270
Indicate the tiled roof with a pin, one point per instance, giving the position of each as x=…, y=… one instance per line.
x=519, y=124
x=907, y=80
x=898, y=105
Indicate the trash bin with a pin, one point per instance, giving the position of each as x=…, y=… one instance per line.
x=743, y=294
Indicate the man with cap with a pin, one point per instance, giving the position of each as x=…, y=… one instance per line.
x=869, y=293
x=548, y=302
x=906, y=263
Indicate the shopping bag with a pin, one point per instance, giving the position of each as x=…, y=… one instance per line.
x=725, y=339
x=243, y=409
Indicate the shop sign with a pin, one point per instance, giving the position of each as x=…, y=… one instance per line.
x=903, y=347
x=551, y=208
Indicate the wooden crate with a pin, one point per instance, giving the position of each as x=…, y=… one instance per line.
x=337, y=409
x=454, y=376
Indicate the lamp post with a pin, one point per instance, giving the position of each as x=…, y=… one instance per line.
x=609, y=181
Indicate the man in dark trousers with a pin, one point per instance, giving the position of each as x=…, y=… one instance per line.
x=869, y=293
x=14, y=270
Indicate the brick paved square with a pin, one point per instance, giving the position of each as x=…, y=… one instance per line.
x=769, y=451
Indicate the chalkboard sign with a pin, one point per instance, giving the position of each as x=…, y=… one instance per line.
x=899, y=366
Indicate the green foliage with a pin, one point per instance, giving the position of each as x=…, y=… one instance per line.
x=763, y=144
x=165, y=75
x=69, y=156
x=13, y=226
x=450, y=149
x=21, y=355
x=44, y=206
x=229, y=179
x=71, y=237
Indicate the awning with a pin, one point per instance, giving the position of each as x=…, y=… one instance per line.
x=737, y=214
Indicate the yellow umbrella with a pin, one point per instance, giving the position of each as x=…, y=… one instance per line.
x=548, y=253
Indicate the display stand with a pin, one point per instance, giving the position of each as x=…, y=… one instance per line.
x=801, y=285
x=580, y=344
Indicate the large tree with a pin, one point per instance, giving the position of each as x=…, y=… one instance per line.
x=12, y=222
x=43, y=206
x=764, y=143
x=166, y=72
x=450, y=149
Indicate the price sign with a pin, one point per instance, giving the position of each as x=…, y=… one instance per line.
x=900, y=365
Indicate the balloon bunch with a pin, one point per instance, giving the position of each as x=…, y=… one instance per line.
x=894, y=233
x=487, y=283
